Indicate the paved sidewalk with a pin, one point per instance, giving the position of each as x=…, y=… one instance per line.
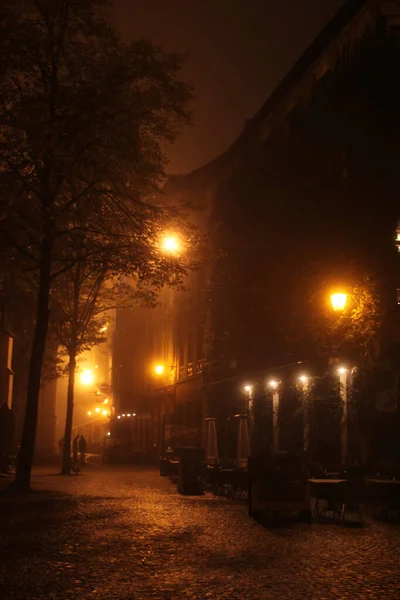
x=118, y=534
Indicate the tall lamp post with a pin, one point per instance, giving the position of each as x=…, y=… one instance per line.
x=339, y=302
x=344, y=443
x=250, y=408
x=273, y=385
x=305, y=384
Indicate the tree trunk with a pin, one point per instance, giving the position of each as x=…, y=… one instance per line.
x=66, y=463
x=73, y=346
x=26, y=452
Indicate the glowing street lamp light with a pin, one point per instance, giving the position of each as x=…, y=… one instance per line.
x=248, y=388
x=87, y=377
x=159, y=369
x=273, y=384
x=171, y=244
x=97, y=410
x=303, y=378
x=339, y=301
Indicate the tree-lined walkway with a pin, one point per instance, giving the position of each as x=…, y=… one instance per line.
x=125, y=533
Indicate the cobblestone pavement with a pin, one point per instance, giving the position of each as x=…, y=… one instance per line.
x=126, y=534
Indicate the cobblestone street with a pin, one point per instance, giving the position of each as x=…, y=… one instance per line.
x=126, y=534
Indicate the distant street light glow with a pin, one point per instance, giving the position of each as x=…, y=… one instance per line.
x=273, y=384
x=105, y=412
x=342, y=370
x=87, y=377
x=248, y=388
x=97, y=410
x=159, y=369
x=303, y=378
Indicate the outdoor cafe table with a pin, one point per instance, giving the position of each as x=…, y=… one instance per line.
x=329, y=490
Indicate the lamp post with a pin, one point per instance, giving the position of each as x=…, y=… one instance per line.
x=339, y=302
x=304, y=382
x=273, y=385
x=250, y=408
x=342, y=371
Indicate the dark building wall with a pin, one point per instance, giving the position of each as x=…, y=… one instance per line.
x=313, y=202
x=305, y=199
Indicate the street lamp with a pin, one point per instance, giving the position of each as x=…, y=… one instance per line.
x=339, y=301
x=250, y=406
x=159, y=369
x=87, y=377
x=273, y=384
x=275, y=413
x=304, y=381
x=342, y=372
x=171, y=243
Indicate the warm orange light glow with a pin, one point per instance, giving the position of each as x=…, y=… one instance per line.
x=273, y=384
x=339, y=301
x=119, y=416
x=87, y=377
x=89, y=413
x=97, y=410
x=105, y=401
x=105, y=412
x=248, y=388
x=159, y=369
x=342, y=370
x=303, y=378
x=171, y=244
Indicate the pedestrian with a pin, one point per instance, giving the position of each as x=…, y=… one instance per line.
x=75, y=450
x=82, y=448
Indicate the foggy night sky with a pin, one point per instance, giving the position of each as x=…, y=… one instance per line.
x=239, y=50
